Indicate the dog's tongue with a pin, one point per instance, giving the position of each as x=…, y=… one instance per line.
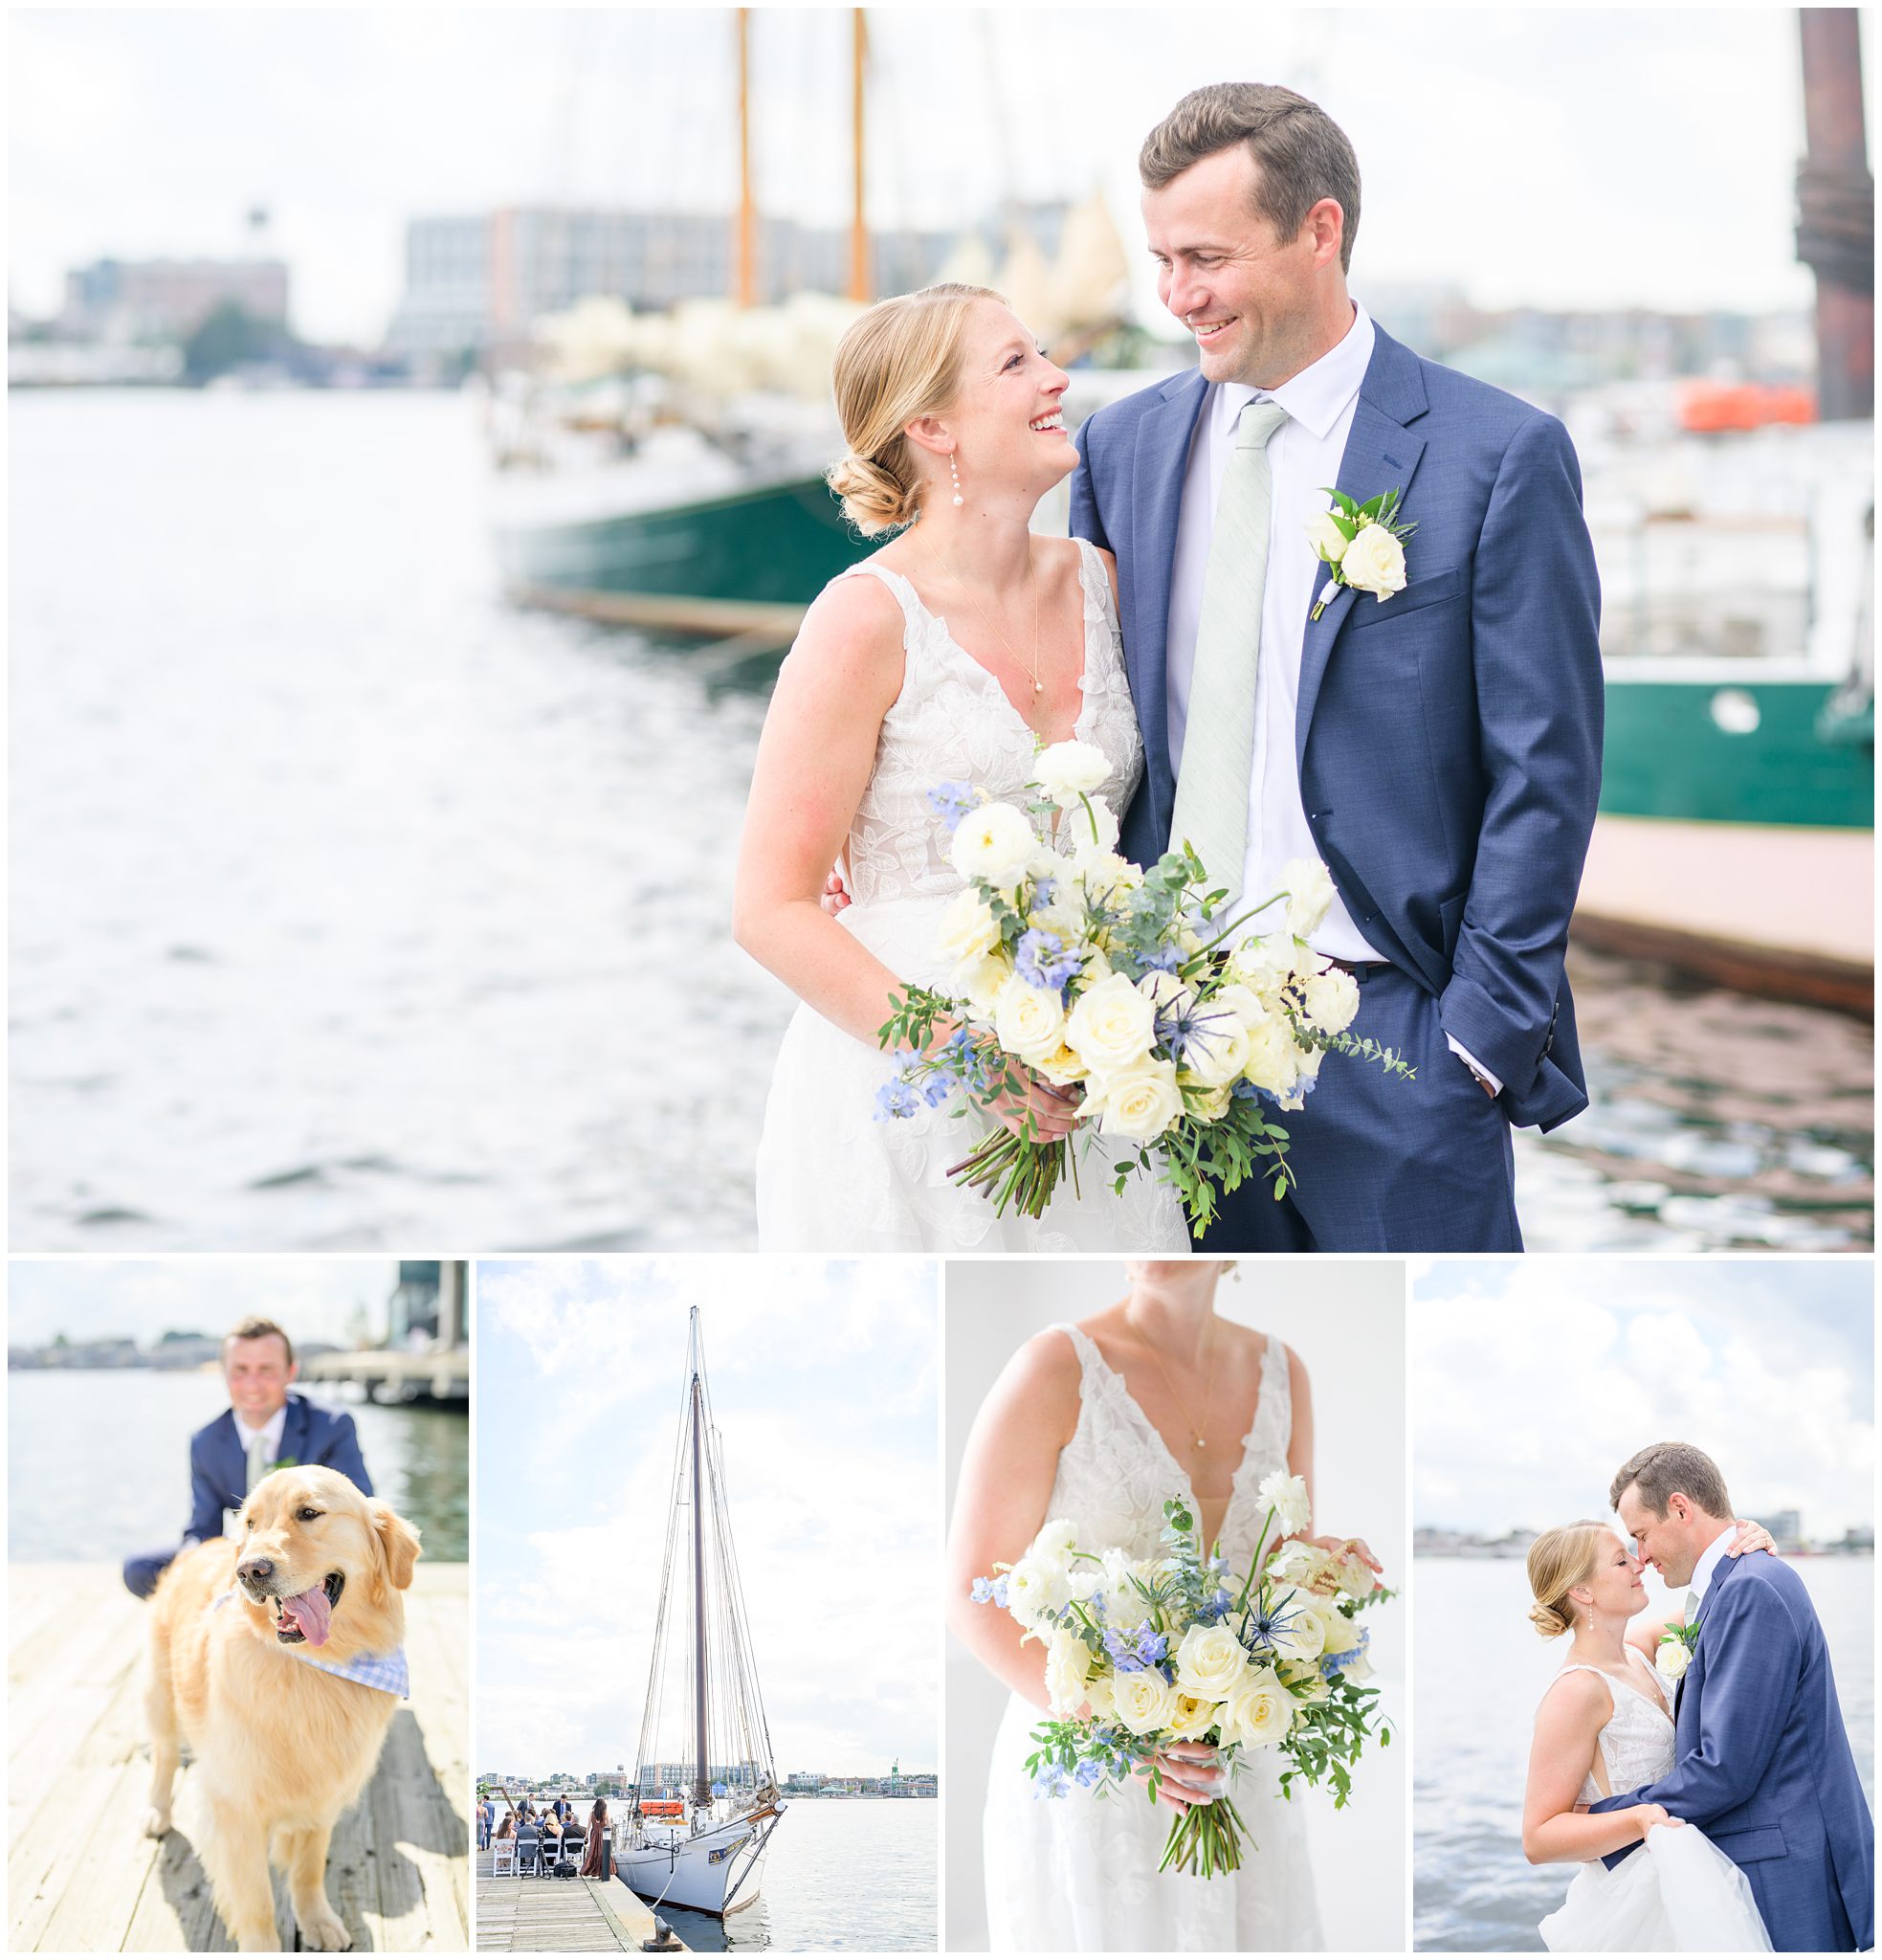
x=311, y=1614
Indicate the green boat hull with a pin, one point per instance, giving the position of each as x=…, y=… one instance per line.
x=1666, y=755
x=776, y=545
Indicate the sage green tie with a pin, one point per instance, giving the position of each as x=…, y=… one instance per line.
x=258, y=1460
x=1691, y=1611
x=1211, y=810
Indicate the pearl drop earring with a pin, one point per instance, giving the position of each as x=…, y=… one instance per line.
x=954, y=472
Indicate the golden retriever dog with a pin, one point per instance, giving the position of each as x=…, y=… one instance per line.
x=282, y=1749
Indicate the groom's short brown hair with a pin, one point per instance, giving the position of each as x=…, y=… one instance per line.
x=1301, y=154
x=1660, y=1469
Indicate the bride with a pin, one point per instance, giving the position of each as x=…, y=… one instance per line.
x=1156, y=1398
x=945, y=659
x=1607, y=1725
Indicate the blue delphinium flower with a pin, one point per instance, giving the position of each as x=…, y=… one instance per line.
x=1049, y=1780
x=1041, y=959
x=896, y=1098
x=971, y=1066
x=1136, y=1650
x=1089, y=1774
x=1331, y=1663
x=952, y=801
x=989, y=1591
x=937, y=1088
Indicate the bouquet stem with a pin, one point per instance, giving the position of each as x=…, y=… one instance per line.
x=1014, y=1170
x=1205, y=1840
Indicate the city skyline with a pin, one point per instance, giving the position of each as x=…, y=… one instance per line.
x=153, y=134
x=1530, y=1386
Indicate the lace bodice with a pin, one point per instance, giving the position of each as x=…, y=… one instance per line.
x=1636, y=1740
x=1115, y=1473
x=952, y=722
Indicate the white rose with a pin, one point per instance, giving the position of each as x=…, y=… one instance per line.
x=1068, y=770
x=1326, y=537
x=1344, y=1636
x=980, y=983
x=1035, y=1586
x=1286, y=1496
x=1056, y=1539
x=1303, y=1633
x=1305, y=1675
x=1274, y=1059
x=1194, y=1717
x=994, y=842
x=1218, y=1051
x=1061, y=1068
x=1068, y=1667
x=1259, y=1712
x=1672, y=1658
x=1163, y=990
x=1332, y=998
x=1111, y=1025
x=1211, y=1105
x=968, y=930
x=1092, y=830
x=1375, y=561
x=1098, y=1698
x=1211, y=1663
x=1138, y=1104
x=1029, y=1020
x=1142, y=1703
x=1310, y=894
x=1306, y=1067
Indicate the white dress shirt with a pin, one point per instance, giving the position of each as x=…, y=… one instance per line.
x=1709, y=1560
x=1304, y=456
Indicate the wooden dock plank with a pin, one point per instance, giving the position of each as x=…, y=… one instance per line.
x=82, y=1876
x=558, y=1915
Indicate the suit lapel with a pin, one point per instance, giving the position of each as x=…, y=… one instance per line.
x=1381, y=454
x=1159, y=465
x=231, y=1464
x=293, y=1433
x=1712, y=1585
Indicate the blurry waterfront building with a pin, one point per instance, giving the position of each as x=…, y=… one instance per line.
x=1786, y=1527
x=476, y=283
x=125, y=301
x=427, y=1308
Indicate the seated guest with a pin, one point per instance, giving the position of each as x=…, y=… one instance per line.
x=264, y=1428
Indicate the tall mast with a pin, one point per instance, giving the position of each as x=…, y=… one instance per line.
x=1836, y=212
x=702, y=1769
x=859, y=281
x=745, y=254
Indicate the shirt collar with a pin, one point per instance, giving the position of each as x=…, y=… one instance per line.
x=1318, y=396
x=270, y=1434
x=1709, y=1559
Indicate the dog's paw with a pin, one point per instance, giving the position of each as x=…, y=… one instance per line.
x=323, y=1933
x=156, y=1823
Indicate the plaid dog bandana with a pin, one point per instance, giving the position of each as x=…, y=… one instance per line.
x=385, y=1672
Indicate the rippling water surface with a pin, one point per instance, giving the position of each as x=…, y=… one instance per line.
x=352, y=908
x=1478, y=1672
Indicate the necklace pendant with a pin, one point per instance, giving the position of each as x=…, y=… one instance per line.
x=1200, y=1445
x=1038, y=688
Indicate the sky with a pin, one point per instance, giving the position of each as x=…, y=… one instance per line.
x=1533, y=1381
x=1565, y=158
x=314, y=1298
x=824, y=1384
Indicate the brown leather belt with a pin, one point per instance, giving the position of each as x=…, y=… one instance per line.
x=1362, y=971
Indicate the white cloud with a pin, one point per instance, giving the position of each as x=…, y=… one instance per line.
x=1527, y=1394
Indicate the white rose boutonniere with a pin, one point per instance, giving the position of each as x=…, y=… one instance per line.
x=1360, y=545
x=1674, y=1653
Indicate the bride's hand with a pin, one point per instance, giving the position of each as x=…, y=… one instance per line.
x=1652, y=1813
x=1341, y=1547
x=1751, y=1538
x=1053, y=1113
x=1188, y=1773
x=836, y=894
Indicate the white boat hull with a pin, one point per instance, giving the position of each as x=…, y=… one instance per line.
x=716, y=1869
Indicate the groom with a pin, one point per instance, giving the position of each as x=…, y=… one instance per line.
x=1762, y=1764
x=1438, y=750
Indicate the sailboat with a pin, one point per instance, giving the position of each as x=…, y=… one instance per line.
x=696, y=1829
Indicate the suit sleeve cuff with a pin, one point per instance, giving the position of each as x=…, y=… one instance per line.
x=1475, y=1067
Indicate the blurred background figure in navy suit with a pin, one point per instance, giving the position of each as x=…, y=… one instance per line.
x=264, y=1428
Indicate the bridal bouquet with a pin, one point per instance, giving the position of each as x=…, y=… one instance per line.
x=1179, y=1031
x=1142, y=1652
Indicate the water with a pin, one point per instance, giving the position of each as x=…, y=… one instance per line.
x=354, y=909
x=1480, y=1670
x=98, y=1462
x=855, y=1873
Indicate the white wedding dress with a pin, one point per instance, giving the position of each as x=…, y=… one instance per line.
x=1079, y=1873
x=832, y=1176
x=1678, y=1893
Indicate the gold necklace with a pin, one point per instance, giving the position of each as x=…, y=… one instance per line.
x=1209, y=1387
x=1038, y=686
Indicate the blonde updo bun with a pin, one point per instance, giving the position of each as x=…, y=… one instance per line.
x=898, y=361
x=1558, y=1560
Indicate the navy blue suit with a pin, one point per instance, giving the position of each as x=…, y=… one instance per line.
x=1449, y=748
x=1762, y=1763
x=219, y=1474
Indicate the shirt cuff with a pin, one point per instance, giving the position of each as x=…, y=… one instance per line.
x=1475, y=1067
